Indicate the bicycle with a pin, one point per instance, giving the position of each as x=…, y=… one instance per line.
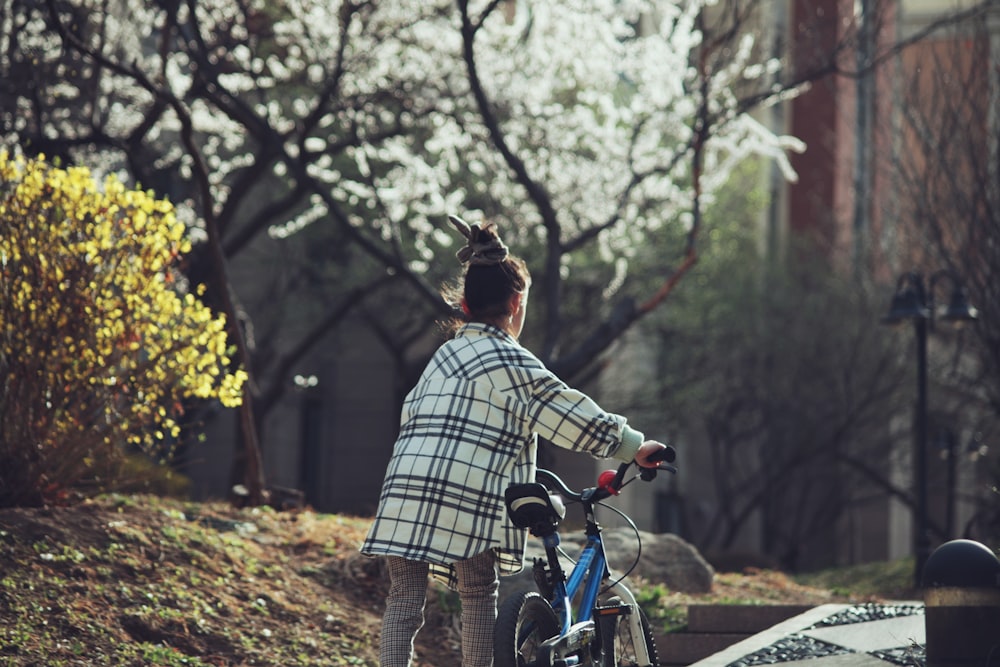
x=543, y=629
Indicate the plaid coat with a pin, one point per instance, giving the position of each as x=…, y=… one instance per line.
x=469, y=429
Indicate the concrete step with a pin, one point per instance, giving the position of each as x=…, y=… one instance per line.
x=713, y=628
x=679, y=649
x=747, y=619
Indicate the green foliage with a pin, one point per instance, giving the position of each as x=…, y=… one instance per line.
x=100, y=341
x=654, y=600
x=786, y=372
x=888, y=579
x=775, y=368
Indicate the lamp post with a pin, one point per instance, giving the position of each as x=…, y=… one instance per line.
x=915, y=302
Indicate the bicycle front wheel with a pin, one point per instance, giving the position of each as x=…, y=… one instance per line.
x=524, y=621
x=620, y=642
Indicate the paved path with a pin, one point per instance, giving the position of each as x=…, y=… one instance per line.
x=833, y=636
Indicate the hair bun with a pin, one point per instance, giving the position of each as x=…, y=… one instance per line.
x=483, y=247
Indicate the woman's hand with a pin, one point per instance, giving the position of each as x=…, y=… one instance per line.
x=646, y=450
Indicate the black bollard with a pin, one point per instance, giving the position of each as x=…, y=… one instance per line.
x=961, y=581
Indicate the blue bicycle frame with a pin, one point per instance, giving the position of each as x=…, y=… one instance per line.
x=608, y=626
x=588, y=574
x=590, y=569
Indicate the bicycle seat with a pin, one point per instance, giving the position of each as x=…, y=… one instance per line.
x=531, y=506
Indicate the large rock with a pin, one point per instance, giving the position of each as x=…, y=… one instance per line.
x=665, y=559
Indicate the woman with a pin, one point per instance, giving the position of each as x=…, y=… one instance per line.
x=468, y=430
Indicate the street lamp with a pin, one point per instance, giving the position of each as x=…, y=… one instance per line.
x=912, y=301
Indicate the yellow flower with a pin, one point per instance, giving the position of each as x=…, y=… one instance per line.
x=92, y=324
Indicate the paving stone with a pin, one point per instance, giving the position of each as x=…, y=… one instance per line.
x=842, y=660
x=887, y=640
x=875, y=635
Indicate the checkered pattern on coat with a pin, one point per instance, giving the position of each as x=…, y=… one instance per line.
x=469, y=429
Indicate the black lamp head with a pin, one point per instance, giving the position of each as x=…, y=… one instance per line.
x=959, y=309
x=907, y=304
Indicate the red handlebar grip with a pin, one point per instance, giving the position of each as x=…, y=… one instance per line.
x=606, y=481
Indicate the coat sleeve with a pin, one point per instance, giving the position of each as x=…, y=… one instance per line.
x=570, y=419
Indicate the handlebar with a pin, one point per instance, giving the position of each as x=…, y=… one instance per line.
x=606, y=489
x=664, y=457
x=549, y=478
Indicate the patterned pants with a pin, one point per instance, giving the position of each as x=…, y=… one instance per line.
x=404, y=612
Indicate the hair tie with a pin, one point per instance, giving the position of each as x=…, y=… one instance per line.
x=483, y=248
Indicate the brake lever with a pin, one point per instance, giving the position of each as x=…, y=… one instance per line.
x=649, y=474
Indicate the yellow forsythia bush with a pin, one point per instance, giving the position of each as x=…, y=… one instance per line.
x=100, y=346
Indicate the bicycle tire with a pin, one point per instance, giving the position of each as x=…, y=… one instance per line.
x=623, y=641
x=524, y=621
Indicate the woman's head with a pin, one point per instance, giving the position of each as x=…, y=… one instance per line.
x=495, y=285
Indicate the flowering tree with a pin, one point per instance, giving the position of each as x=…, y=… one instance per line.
x=100, y=339
x=586, y=129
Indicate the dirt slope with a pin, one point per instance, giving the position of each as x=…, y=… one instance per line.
x=140, y=580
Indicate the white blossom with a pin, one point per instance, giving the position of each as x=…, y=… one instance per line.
x=596, y=98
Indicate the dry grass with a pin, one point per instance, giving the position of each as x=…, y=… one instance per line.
x=142, y=580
